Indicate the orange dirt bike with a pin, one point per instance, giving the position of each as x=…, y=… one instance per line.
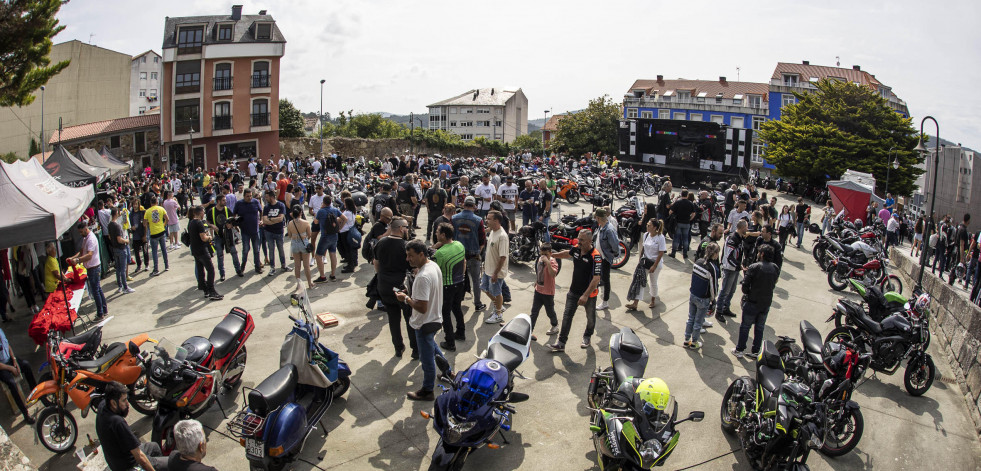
x=82, y=381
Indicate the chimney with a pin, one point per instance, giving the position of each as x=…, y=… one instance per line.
x=722, y=80
x=236, y=12
x=492, y=92
x=857, y=67
x=807, y=62
x=262, y=12
x=660, y=78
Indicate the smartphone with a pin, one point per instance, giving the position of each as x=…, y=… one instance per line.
x=396, y=290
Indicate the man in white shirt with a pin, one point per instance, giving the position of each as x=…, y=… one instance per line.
x=282, y=161
x=252, y=172
x=508, y=195
x=892, y=231
x=485, y=195
x=739, y=212
x=316, y=166
x=495, y=266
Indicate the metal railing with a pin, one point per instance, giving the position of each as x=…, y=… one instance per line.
x=222, y=122
x=260, y=80
x=260, y=119
x=222, y=83
x=183, y=126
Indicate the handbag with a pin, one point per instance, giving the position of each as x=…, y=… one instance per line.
x=309, y=245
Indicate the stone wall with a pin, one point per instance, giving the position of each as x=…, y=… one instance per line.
x=353, y=147
x=955, y=326
x=127, y=146
x=11, y=458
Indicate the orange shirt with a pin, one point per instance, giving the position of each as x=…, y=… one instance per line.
x=281, y=186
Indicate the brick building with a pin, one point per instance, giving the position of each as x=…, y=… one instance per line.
x=136, y=139
x=220, y=93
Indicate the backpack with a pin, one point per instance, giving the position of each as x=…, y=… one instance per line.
x=381, y=202
x=329, y=226
x=185, y=238
x=405, y=194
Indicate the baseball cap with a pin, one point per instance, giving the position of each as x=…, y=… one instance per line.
x=470, y=201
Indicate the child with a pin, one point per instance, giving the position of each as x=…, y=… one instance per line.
x=704, y=286
x=546, y=268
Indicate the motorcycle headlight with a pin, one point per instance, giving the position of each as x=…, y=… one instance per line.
x=650, y=450
x=455, y=428
x=156, y=392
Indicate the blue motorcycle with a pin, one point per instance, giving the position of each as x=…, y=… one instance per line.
x=281, y=412
x=478, y=405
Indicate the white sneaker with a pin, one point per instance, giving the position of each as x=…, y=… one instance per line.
x=129, y=290
x=118, y=291
x=554, y=330
x=707, y=323
x=495, y=318
x=603, y=305
x=702, y=331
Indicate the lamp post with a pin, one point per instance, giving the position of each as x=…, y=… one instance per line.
x=42, y=123
x=933, y=192
x=887, y=169
x=321, y=119
x=412, y=129
x=544, y=152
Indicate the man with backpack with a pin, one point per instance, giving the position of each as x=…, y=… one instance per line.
x=330, y=221
x=383, y=200
x=944, y=235
x=436, y=198
x=961, y=243
x=219, y=219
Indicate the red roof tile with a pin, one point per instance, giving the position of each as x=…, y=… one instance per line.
x=819, y=71
x=82, y=131
x=711, y=88
x=553, y=123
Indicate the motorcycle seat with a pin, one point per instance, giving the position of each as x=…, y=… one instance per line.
x=101, y=364
x=505, y=355
x=629, y=342
x=226, y=332
x=273, y=391
x=864, y=319
x=770, y=378
x=811, y=338
x=93, y=335
x=518, y=330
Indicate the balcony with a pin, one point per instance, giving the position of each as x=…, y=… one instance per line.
x=260, y=81
x=222, y=122
x=260, y=119
x=184, y=126
x=222, y=83
x=693, y=104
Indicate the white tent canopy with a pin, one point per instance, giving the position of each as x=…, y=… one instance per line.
x=37, y=206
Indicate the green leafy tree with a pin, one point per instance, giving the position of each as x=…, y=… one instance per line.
x=10, y=157
x=35, y=147
x=365, y=126
x=591, y=130
x=842, y=126
x=290, y=120
x=26, y=29
x=531, y=141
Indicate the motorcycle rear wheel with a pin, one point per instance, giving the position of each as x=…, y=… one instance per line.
x=341, y=386
x=836, y=281
x=649, y=189
x=845, y=434
x=621, y=259
x=891, y=283
x=919, y=376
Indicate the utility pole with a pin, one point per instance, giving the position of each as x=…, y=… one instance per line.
x=412, y=128
x=321, y=118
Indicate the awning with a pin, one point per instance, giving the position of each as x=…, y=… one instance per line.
x=95, y=159
x=39, y=207
x=70, y=171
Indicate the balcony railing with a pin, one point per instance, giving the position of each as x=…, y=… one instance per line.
x=260, y=119
x=184, y=126
x=222, y=83
x=260, y=80
x=222, y=122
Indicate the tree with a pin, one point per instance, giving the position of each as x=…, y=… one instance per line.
x=10, y=157
x=290, y=120
x=591, y=130
x=365, y=126
x=35, y=147
x=531, y=141
x=26, y=29
x=842, y=126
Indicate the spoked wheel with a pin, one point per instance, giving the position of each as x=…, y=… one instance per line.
x=140, y=398
x=919, y=375
x=649, y=189
x=56, y=428
x=572, y=196
x=891, y=283
x=729, y=412
x=844, y=433
x=620, y=192
x=622, y=258
x=837, y=280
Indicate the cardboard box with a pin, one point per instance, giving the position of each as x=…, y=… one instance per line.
x=327, y=319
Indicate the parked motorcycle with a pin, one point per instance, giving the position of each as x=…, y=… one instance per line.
x=478, y=404
x=632, y=419
x=82, y=381
x=831, y=369
x=85, y=346
x=281, y=412
x=873, y=271
x=777, y=420
x=567, y=189
x=525, y=244
x=898, y=337
x=566, y=235
x=877, y=304
x=186, y=381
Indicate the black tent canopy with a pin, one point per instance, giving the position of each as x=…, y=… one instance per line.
x=112, y=158
x=69, y=171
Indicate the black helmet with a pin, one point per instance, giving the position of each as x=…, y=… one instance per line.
x=631, y=194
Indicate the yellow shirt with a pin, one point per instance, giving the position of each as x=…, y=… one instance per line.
x=50, y=281
x=206, y=179
x=154, y=218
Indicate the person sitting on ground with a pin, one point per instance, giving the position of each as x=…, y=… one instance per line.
x=120, y=447
x=192, y=446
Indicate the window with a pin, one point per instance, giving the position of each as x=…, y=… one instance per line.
x=224, y=32
x=452, y=124
x=695, y=117
x=684, y=94
x=260, y=74
x=469, y=111
x=757, y=152
x=788, y=99
x=188, y=77
x=223, y=115
x=142, y=92
x=114, y=142
x=483, y=111
x=790, y=80
x=466, y=124
x=263, y=31
x=466, y=137
x=737, y=121
x=223, y=77
x=755, y=101
x=680, y=115
x=142, y=110
x=186, y=116
x=758, y=122
x=480, y=124
x=139, y=141
x=189, y=40
x=631, y=112
x=153, y=92
x=647, y=114
x=260, y=112
x=737, y=100
x=153, y=76
x=663, y=114
x=239, y=151
x=452, y=110
x=142, y=75
x=718, y=98
x=497, y=110
x=717, y=118
x=143, y=60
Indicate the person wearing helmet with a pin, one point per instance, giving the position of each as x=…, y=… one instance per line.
x=859, y=224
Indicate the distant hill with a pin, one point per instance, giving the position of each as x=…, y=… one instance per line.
x=944, y=142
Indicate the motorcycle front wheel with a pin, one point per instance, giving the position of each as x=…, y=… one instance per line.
x=57, y=429
x=891, y=283
x=572, y=196
x=845, y=433
x=649, y=189
x=341, y=386
x=919, y=375
x=728, y=412
x=835, y=279
x=140, y=398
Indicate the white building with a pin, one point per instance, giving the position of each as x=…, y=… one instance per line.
x=144, y=83
x=491, y=113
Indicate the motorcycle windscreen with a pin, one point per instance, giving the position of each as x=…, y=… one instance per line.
x=296, y=350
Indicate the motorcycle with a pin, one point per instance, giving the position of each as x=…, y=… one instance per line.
x=842, y=269
x=879, y=305
x=629, y=433
x=85, y=346
x=280, y=412
x=188, y=382
x=898, y=337
x=566, y=235
x=567, y=189
x=478, y=404
x=82, y=381
x=525, y=244
x=831, y=369
x=777, y=419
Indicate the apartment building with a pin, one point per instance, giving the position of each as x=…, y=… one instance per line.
x=220, y=93
x=491, y=113
x=94, y=87
x=144, y=83
x=956, y=181
x=788, y=78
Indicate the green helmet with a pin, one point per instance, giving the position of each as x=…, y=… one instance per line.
x=654, y=391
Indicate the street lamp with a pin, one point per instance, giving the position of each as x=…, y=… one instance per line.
x=412, y=129
x=887, y=168
x=322, y=117
x=42, y=123
x=933, y=191
x=190, y=146
x=544, y=154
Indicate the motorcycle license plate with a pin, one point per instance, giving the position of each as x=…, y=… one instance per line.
x=254, y=448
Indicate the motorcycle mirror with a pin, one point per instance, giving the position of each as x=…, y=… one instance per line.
x=696, y=416
x=134, y=349
x=516, y=397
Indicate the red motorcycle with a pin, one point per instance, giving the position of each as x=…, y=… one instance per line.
x=566, y=235
x=187, y=380
x=841, y=269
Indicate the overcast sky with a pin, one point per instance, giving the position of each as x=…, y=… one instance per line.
x=399, y=56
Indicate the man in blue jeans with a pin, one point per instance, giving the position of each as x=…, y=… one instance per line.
x=119, y=244
x=247, y=210
x=88, y=256
x=802, y=211
x=273, y=217
x=217, y=218
x=732, y=260
x=683, y=210
x=427, y=319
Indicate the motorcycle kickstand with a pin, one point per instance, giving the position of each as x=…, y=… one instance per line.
x=505, y=440
x=221, y=407
x=324, y=427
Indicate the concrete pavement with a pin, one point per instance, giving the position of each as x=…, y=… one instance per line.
x=375, y=427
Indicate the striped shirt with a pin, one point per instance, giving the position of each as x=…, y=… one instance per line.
x=449, y=258
x=704, y=279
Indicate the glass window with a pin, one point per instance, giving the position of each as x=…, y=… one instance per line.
x=663, y=114
x=142, y=92
x=156, y=59
x=736, y=121
x=237, y=151
x=717, y=118
x=679, y=115
x=142, y=110
x=143, y=59
x=263, y=31
x=114, y=142
x=647, y=114
x=186, y=116
x=755, y=101
x=139, y=141
x=188, y=77
x=189, y=40
x=223, y=77
x=223, y=118
x=790, y=80
x=695, y=117
x=260, y=112
x=631, y=112
x=223, y=108
x=142, y=75
x=225, y=32
x=466, y=137
x=153, y=75
x=737, y=102
x=260, y=74
x=788, y=99
x=758, y=122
